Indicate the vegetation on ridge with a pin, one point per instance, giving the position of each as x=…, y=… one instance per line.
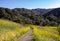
x=26, y=16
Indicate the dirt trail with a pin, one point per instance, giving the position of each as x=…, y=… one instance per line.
x=27, y=36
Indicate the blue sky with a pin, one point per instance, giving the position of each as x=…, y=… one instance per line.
x=30, y=4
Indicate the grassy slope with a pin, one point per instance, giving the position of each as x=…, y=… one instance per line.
x=10, y=31
x=46, y=34
x=59, y=29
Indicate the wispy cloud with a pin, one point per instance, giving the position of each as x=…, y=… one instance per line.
x=54, y=5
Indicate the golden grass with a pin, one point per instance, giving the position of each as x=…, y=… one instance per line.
x=46, y=34
x=10, y=31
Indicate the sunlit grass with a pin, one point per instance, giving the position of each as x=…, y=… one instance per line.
x=45, y=34
x=10, y=31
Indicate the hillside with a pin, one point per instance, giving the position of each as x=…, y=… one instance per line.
x=47, y=33
x=42, y=11
x=11, y=31
x=32, y=16
x=53, y=16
